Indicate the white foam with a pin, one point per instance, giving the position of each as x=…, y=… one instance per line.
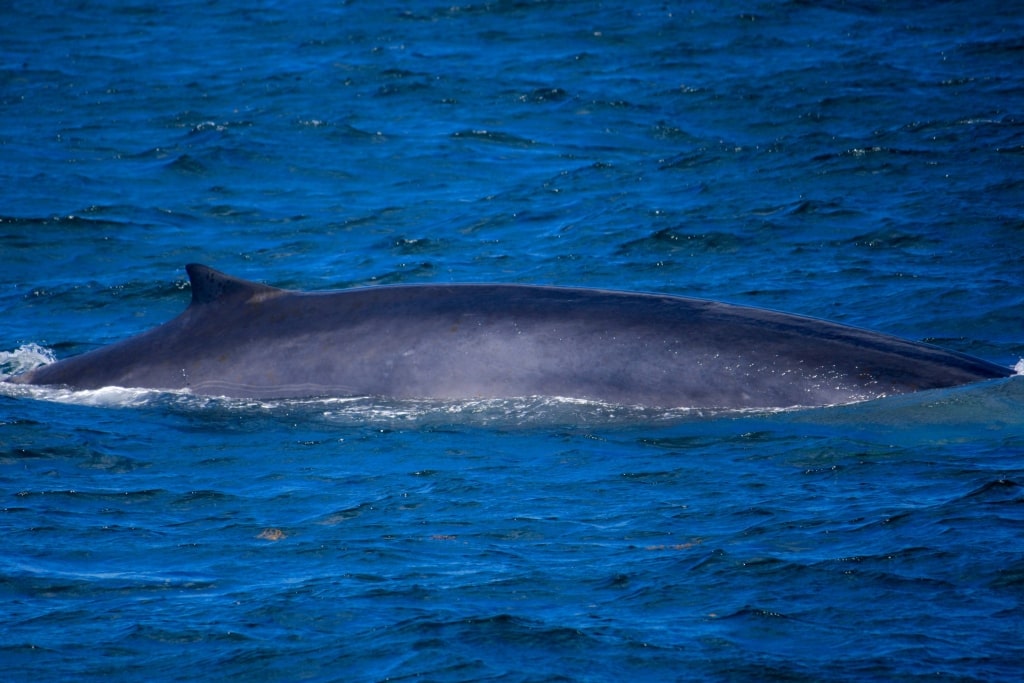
x=1019, y=367
x=23, y=359
x=106, y=397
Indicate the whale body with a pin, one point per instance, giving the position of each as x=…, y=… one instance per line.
x=464, y=341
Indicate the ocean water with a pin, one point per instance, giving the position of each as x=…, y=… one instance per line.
x=856, y=161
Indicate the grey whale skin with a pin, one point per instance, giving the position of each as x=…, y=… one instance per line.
x=463, y=341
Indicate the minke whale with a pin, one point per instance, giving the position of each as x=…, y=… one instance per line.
x=466, y=341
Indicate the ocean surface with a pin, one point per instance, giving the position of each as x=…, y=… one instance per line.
x=856, y=161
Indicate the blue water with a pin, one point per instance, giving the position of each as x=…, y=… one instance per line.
x=862, y=162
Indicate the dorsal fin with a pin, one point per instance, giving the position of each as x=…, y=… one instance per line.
x=209, y=285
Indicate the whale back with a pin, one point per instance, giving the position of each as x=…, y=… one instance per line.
x=250, y=340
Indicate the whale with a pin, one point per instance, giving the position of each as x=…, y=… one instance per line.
x=244, y=339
